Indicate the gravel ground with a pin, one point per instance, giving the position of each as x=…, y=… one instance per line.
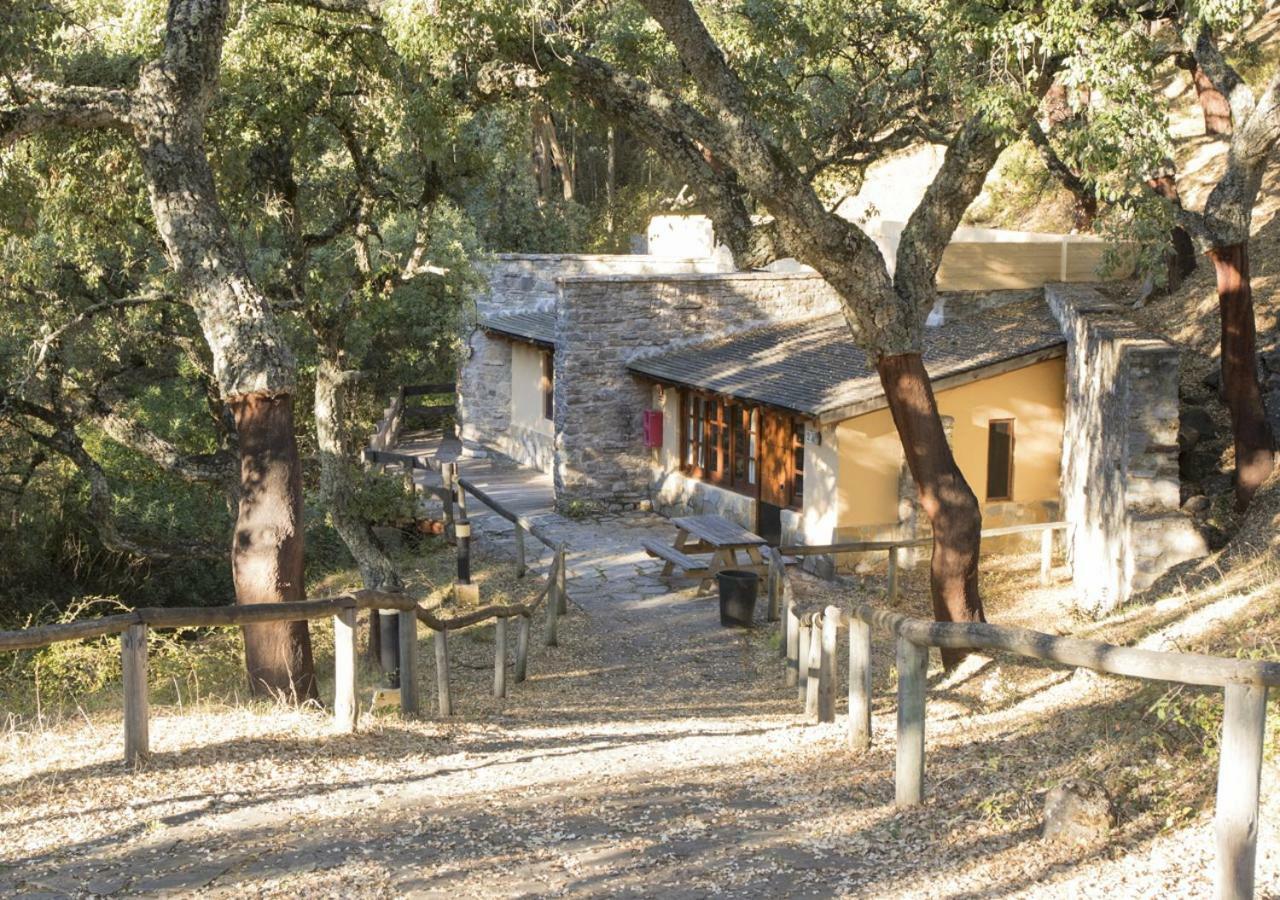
x=652, y=753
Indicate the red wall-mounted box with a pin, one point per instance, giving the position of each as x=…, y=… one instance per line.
x=652, y=428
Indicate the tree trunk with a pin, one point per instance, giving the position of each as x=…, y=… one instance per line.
x=376, y=570
x=1217, y=111
x=1182, y=250
x=945, y=497
x=1254, y=443
x=251, y=359
x=266, y=555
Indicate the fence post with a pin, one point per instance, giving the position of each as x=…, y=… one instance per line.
x=562, y=592
x=859, y=684
x=802, y=660
x=550, y=636
x=133, y=664
x=409, y=664
x=913, y=662
x=500, y=658
x=520, y=566
x=448, y=478
x=813, y=683
x=1244, y=720
x=1046, y=554
x=346, y=710
x=442, y=672
x=522, y=649
x=827, y=678
x=776, y=574
x=792, y=648
x=893, y=575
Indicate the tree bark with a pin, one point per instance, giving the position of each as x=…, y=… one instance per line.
x=266, y=555
x=1254, y=442
x=945, y=496
x=1182, y=250
x=1213, y=103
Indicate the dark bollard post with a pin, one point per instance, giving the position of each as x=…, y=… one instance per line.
x=389, y=645
x=463, y=530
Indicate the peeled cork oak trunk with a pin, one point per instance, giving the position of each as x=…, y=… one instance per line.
x=266, y=553
x=945, y=496
x=1241, y=392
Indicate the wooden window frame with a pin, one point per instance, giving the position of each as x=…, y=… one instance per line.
x=548, y=385
x=1013, y=442
x=718, y=462
x=795, y=491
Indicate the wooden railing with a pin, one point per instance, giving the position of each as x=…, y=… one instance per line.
x=809, y=645
x=386, y=434
x=133, y=629
x=893, y=545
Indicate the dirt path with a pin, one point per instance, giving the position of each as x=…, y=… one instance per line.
x=652, y=753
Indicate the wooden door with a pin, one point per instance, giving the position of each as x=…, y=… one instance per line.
x=775, y=459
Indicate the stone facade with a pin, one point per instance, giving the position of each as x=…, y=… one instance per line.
x=1120, y=485
x=602, y=323
x=520, y=282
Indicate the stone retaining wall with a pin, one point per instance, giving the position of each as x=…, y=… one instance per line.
x=1120, y=486
x=602, y=323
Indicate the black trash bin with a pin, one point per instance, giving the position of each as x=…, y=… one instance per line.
x=738, y=592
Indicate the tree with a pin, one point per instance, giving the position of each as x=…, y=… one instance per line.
x=163, y=113
x=1222, y=231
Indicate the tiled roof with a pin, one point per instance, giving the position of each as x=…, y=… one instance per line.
x=534, y=327
x=813, y=368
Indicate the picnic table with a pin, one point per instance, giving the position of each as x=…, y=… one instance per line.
x=714, y=535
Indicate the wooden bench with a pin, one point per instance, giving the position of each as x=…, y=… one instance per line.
x=673, y=557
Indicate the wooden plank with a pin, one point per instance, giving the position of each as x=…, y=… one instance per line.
x=409, y=706
x=1244, y=720
x=500, y=658
x=1185, y=668
x=802, y=660
x=718, y=531
x=418, y=390
x=893, y=576
x=445, y=701
x=859, y=685
x=813, y=677
x=346, y=710
x=792, y=676
x=913, y=661
x=522, y=649
x=692, y=567
x=827, y=669
x=1046, y=555
x=562, y=578
x=875, y=546
x=777, y=572
x=133, y=664
x=551, y=631
x=44, y=635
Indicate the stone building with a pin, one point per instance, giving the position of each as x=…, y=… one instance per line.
x=669, y=383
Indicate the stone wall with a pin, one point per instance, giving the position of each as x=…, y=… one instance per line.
x=520, y=282
x=1120, y=487
x=602, y=323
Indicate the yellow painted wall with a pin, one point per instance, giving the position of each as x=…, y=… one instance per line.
x=871, y=455
x=526, y=389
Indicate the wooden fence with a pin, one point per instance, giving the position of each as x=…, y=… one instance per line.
x=809, y=644
x=386, y=434
x=894, y=545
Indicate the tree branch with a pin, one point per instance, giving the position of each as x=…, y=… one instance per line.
x=32, y=107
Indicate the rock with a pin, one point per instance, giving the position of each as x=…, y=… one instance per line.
x=1213, y=381
x=1078, y=813
x=1187, y=489
x=1196, y=419
x=1197, y=504
x=1271, y=360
